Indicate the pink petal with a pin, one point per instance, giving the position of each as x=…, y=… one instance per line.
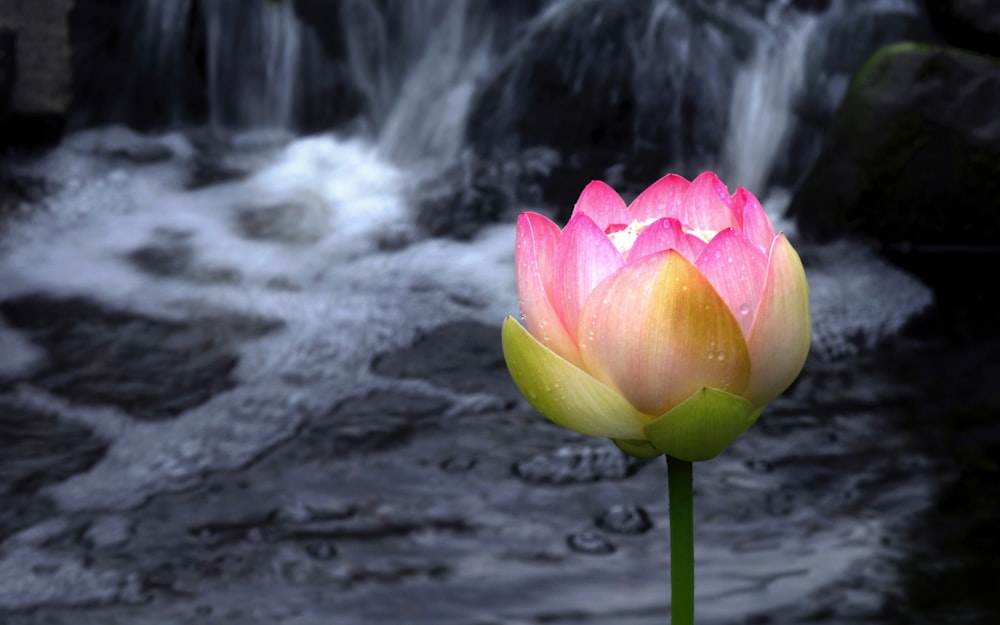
x=736, y=268
x=584, y=257
x=657, y=331
x=780, y=335
x=665, y=234
x=537, y=238
x=663, y=198
x=603, y=205
x=753, y=220
x=706, y=205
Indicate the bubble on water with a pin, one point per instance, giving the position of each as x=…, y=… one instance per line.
x=589, y=542
x=622, y=519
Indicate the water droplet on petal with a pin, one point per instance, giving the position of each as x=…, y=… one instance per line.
x=744, y=309
x=721, y=355
x=711, y=355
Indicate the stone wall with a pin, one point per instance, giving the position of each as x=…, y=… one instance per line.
x=41, y=50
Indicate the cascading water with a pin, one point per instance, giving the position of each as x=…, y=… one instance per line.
x=152, y=267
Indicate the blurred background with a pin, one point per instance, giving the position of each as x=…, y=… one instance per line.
x=254, y=256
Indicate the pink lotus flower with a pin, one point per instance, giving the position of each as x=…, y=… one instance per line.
x=666, y=324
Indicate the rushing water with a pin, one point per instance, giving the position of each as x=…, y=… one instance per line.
x=257, y=392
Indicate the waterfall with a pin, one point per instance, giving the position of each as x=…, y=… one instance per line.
x=740, y=87
x=253, y=50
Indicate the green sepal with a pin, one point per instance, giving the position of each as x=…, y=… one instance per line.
x=701, y=426
x=563, y=392
x=637, y=448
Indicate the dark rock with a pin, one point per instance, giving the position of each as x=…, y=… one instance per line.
x=381, y=421
x=37, y=448
x=474, y=192
x=972, y=24
x=321, y=550
x=41, y=55
x=623, y=519
x=912, y=162
x=465, y=357
x=149, y=368
x=576, y=464
x=580, y=66
x=286, y=222
x=17, y=190
x=207, y=171
x=8, y=69
x=458, y=464
x=591, y=543
x=171, y=255
x=604, y=85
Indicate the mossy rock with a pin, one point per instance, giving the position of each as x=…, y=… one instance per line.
x=912, y=160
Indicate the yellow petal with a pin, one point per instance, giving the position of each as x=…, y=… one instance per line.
x=780, y=335
x=564, y=393
x=657, y=331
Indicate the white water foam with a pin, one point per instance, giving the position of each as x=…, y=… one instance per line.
x=342, y=300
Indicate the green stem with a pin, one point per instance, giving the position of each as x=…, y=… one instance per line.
x=679, y=476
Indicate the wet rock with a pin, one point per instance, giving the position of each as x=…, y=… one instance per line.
x=321, y=550
x=458, y=464
x=590, y=543
x=17, y=191
x=474, y=192
x=392, y=573
x=575, y=464
x=170, y=255
x=30, y=578
x=118, y=143
x=39, y=449
x=918, y=124
x=465, y=357
x=284, y=222
x=40, y=47
x=603, y=84
x=108, y=531
x=150, y=368
x=625, y=519
x=378, y=422
x=206, y=171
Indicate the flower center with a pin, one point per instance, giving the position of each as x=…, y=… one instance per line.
x=623, y=236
